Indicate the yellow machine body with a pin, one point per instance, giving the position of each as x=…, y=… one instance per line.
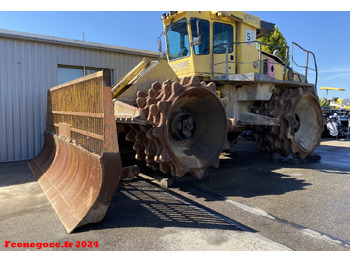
x=209, y=58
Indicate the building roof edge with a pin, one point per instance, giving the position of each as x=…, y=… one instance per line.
x=76, y=43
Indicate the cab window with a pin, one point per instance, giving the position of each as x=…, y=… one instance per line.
x=203, y=48
x=223, y=34
x=178, y=45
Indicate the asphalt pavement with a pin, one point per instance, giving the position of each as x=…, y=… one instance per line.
x=252, y=202
x=141, y=217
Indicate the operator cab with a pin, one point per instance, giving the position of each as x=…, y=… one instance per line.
x=205, y=43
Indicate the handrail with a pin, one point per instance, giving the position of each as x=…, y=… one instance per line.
x=258, y=60
x=307, y=62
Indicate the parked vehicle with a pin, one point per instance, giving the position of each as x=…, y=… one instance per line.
x=337, y=123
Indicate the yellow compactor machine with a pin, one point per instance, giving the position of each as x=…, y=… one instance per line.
x=176, y=114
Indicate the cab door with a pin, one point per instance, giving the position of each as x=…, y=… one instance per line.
x=200, y=28
x=223, y=37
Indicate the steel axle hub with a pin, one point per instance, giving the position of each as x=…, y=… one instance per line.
x=183, y=126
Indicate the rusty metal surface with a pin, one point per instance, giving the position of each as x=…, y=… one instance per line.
x=125, y=113
x=187, y=128
x=80, y=105
x=130, y=172
x=78, y=184
x=79, y=166
x=301, y=123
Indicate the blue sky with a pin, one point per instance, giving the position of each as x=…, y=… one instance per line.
x=325, y=33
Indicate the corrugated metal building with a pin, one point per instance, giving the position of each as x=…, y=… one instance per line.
x=30, y=65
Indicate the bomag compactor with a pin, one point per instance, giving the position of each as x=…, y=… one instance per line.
x=176, y=114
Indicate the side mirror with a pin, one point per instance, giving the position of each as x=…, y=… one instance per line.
x=159, y=45
x=198, y=40
x=199, y=28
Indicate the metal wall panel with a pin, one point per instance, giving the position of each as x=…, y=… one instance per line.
x=27, y=70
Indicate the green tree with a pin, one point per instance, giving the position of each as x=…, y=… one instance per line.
x=275, y=38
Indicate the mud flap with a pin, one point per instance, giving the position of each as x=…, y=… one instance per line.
x=79, y=167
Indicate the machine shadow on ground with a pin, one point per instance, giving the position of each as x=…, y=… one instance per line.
x=140, y=204
x=246, y=172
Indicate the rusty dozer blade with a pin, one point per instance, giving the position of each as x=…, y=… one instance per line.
x=79, y=166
